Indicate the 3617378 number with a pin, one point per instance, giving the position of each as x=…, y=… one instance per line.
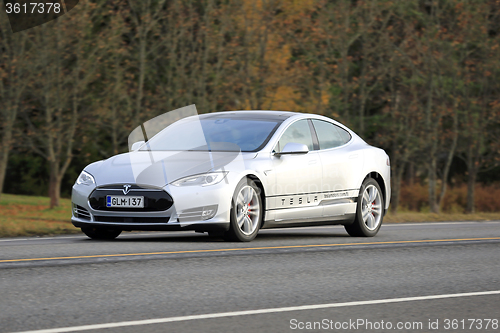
x=33, y=8
x=470, y=324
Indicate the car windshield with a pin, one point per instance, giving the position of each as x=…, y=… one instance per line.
x=214, y=134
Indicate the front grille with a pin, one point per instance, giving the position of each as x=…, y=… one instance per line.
x=155, y=199
x=81, y=212
x=121, y=219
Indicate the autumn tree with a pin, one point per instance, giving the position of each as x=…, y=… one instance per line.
x=480, y=123
x=66, y=53
x=15, y=56
x=417, y=78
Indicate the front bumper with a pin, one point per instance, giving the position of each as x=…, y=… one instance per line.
x=199, y=226
x=193, y=208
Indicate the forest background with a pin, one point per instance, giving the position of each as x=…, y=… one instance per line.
x=419, y=78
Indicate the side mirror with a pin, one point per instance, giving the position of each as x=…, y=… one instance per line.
x=137, y=145
x=292, y=148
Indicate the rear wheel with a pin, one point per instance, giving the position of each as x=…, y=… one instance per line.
x=101, y=233
x=246, y=212
x=369, y=211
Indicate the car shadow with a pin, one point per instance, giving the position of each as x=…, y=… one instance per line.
x=300, y=235
x=194, y=238
x=265, y=236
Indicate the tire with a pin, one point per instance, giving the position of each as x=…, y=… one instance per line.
x=246, y=212
x=369, y=211
x=100, y=233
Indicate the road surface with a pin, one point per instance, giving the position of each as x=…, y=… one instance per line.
x=441, y=277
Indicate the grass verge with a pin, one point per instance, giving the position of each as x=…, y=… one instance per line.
x=22, y=215
x=409, y=216
x=30, y=216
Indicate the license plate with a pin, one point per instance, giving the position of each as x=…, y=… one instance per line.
x=124, y=201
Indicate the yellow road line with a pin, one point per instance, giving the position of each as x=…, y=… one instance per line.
x=251, y=248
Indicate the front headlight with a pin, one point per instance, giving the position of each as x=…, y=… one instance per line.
x=205, y=179
x=85, y=178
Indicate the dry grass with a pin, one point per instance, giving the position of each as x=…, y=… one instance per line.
x=416, y=197
x=401, y=217
x=29, y=216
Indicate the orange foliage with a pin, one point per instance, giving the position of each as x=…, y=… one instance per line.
x=487, y=198
x=414, y=197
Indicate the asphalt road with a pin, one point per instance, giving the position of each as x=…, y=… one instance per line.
x=426, y=277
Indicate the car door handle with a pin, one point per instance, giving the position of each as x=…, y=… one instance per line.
x=353, y=156
x=313, y=162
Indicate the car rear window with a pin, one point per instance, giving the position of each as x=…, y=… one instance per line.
x=330, y=135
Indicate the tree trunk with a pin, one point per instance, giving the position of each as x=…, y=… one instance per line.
x=345, y=82
x=451, y=153
x=432, y=186
x=54, y=186
x=396, y=187
x=362, y=106
x=6, y=144
x=4, y=157
x=431, y=138
x=410, y=177
x=142, y=73
x=471, y=180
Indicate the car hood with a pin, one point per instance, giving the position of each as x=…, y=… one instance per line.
x=160, y=168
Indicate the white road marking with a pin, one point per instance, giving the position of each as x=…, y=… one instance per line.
x=254, y=312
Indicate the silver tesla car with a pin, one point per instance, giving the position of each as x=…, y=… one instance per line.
x=233, y=173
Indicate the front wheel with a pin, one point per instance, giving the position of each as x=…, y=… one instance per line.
x=369, y=211
x=246, y=212
x=101, y=233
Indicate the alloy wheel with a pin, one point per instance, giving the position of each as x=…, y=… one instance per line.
x=371, y=207
x=247, y=210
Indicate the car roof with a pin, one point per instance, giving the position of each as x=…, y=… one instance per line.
x=278, y=116
x=252, y=114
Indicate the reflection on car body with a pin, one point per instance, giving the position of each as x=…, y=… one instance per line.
x=233, y=173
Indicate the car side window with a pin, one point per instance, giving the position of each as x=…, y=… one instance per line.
x=346, y=137
x=330, y=135
x=298, y=132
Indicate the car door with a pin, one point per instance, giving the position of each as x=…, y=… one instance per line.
x=297, y=176
x=341, y=164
